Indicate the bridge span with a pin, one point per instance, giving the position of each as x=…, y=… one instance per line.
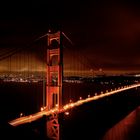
x=65, y=108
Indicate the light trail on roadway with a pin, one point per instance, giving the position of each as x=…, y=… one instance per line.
x=33, y=117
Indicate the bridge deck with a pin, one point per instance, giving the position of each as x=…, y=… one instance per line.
x=33, y=117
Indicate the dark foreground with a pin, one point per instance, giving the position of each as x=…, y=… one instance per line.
x=98, y=120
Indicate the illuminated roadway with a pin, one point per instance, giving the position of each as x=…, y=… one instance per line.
x=33, y=117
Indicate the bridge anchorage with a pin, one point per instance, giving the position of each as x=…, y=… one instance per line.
x=54, y=82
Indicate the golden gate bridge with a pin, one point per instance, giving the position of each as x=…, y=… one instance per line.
x=54, y=64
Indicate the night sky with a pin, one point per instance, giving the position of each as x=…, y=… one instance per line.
x=106, y=33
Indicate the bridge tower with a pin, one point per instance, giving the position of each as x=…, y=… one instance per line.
x=54, y=81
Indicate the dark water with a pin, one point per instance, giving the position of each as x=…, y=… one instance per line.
x=89, y=121
x=127, y=129
x=27, y=98
x=19, y=97
x=93, y=120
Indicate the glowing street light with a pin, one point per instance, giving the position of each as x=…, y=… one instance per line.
x=21, y=114
x=41, y=109
x=70, y=101
x=89, y=96
x=67, y=113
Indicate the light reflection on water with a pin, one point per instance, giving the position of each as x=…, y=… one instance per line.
x=127, y=129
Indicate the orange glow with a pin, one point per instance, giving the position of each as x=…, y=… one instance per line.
x=67, y=113
x=71, y=104
x=66, y=106
x=52, y=111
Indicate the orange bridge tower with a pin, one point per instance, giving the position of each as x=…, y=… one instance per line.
x=54, y=81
